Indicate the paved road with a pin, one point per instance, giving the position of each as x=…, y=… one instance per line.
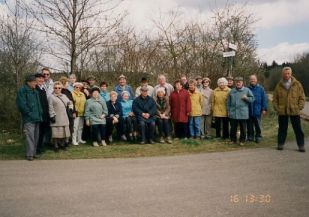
x=193, y=185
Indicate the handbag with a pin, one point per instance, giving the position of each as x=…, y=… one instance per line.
x=68, y=110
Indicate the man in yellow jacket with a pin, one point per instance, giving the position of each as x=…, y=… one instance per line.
x=196, y=110
x=288, y=100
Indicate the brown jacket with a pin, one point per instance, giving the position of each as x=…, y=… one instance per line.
x=165, y=109
x=291, y=101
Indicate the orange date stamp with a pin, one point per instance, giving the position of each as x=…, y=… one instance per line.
x=251, y=198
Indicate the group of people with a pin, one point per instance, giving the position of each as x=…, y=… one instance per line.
x=71, y=112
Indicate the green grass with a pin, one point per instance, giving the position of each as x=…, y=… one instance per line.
x=12, y=146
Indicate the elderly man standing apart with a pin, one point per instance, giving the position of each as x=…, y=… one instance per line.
x=288, y=100
x=28, y=103
x=238, y=109
x=256, y=109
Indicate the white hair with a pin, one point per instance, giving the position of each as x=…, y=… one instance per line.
x=125, y=92
x=160, y=89
x=287, y=68
x=223, y=79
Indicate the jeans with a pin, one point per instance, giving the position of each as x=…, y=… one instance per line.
x=164, y=127
x=225, y=122
x=254, y=128
x=243, y=128
x=194, y=126
x=98, y=132
x=32, y=131
x=150, y=126
x=283, y=121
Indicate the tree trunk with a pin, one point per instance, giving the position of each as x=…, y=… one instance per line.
x=73, y=40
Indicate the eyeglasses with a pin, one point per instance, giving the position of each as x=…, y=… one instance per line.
x=57, y=88
x=45, y=74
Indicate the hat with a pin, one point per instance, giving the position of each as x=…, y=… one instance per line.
x=91, y=77
x=122, y=76
x=206, y=79
x=229, y=78
x=239, y=79
x=78, y=84
x=160, y=89
x=144, y=88
x=95, y=89
x=198, y=77
x=39, y=75
x=30, y=78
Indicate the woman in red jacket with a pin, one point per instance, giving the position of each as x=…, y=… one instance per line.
x=180, y=109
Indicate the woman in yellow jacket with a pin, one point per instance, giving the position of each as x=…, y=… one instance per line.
x=79, y=103
x=196, y=110
x=219, y=108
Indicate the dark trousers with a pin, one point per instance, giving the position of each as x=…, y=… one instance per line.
x=149, y=126
x=164, y=127
x=181, y=129
x=283, y=121
x=254, y=128
x=243, y=128
x=224, y=122
x=44, y=137
x=86, y=135
x=129, y=125
x=110, y=127
x=98, y=132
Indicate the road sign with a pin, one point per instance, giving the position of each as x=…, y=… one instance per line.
x=233, y=46
x=229, y=54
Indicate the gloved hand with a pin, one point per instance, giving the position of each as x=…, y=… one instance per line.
x=53, y=119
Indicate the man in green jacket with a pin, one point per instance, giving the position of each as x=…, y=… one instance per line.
x=288, y=101
x=28, y=103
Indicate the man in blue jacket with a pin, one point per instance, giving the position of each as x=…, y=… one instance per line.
x=144, y=108
x=28, y=103
x=123, y=86
x=256, y=109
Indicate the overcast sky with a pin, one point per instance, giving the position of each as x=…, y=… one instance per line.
x=282, y=31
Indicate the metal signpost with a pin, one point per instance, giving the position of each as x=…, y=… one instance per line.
x=230, y=54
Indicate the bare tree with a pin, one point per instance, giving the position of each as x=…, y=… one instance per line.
x=19, y=54
x=233, y=24
x=75, y=24
x=17, y=42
